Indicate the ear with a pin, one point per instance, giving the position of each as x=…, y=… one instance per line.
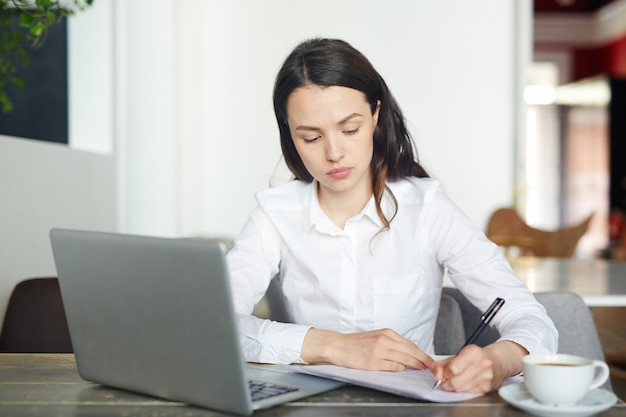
x=376, y=113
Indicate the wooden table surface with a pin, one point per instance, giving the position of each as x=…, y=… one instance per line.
x=49, y=385
x=599, y=282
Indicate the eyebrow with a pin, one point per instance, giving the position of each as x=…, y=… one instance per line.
x=342, y=121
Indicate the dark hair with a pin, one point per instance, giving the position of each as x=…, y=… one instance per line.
x=333, y=62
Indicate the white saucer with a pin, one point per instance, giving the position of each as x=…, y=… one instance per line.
x=595, y=402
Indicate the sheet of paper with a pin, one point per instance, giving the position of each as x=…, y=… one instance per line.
x=410, y=383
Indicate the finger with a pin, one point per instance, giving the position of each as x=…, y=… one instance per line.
x=464, y=360
x=415, y=360
x=470, y=371
x=471, y=382
x=415, y=357
x=425, y=361
x=449, y=372
x=437, y=369
x=405, y=352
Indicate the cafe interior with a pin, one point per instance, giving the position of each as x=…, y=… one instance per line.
x=576, y=99
x=567, y=223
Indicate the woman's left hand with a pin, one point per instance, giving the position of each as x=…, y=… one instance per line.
x=479, y=370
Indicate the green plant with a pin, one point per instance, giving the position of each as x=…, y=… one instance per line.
x=34, y=17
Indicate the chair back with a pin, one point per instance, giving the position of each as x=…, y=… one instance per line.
x=449, y=330
x=574, y=321
x=276, y=302
x=35, y=319
x=462, y=316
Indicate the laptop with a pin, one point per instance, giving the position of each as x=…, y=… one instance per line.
x=155, y=316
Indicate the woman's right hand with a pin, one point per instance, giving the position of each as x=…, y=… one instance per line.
x=376, y=350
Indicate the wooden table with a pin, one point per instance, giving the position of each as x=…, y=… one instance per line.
x=49, y=385
x=600, y=282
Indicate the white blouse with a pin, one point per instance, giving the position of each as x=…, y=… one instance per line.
x=360, y=278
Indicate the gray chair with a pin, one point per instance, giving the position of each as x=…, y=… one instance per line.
x=450, y=329
x=456, y=312
x=275, y=302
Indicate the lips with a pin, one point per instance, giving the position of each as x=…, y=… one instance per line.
x=339, y=173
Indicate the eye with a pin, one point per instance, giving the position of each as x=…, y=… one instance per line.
x=310, y=140
x=351, y=131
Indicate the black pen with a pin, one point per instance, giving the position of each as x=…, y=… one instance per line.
x=484, y=321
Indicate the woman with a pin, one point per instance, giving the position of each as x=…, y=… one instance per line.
x=360, y=239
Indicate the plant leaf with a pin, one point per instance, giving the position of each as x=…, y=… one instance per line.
x=46, y=4
x=37, y=29
x=5, y=101
x=26, y=19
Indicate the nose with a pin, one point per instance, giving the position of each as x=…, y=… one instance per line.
x=334, y=150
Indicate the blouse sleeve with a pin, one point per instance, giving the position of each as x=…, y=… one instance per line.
x=479, y=270
x=253, y=262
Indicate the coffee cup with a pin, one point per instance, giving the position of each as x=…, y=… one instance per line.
x=560, y=379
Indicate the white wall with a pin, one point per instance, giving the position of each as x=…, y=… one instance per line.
x=146, y=111
x=45, y=185
x=455, y=68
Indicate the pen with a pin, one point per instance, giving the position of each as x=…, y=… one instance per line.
x=484, y=321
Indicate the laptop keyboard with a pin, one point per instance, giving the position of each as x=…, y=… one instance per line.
x=261, y=390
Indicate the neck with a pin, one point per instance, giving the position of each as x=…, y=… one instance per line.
x=341, y=206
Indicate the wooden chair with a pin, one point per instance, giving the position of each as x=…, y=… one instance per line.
x=35, y=319
x=507, y=229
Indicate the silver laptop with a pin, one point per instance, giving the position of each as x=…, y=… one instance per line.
x=155, y=316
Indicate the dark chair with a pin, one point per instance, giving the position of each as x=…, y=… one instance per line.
x=35, y=319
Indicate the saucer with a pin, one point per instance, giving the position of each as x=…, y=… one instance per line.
x=594, y=402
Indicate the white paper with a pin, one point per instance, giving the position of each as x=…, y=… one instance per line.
x=412, y=383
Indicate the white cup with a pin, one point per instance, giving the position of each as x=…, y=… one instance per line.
x=562, y=380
